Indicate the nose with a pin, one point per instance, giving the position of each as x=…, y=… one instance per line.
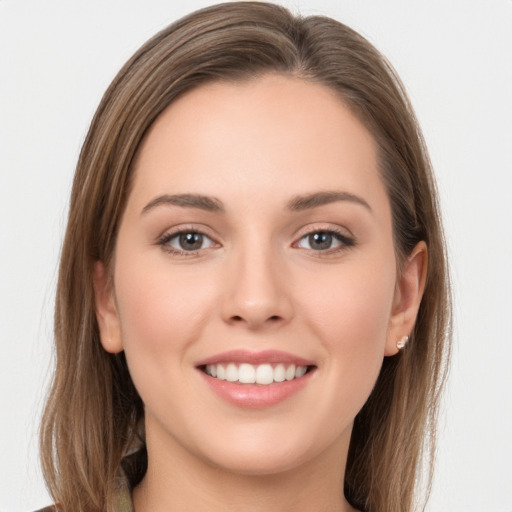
x=257, y=291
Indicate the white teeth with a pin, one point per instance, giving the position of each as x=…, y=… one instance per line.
x=211, y=369
x=290, y=372
x=279, y=373
x=247, y=374
x=231, y=373
x=262, y=374
x=300, y=371
x=221, y=373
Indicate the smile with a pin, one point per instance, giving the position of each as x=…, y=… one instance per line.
x=263, y=374
x=256, y=380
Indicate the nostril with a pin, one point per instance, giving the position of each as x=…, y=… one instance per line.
x=238, y=318
x=256, y=317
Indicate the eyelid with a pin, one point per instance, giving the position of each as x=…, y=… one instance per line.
x=326, y=227
x=343, y=235
x=170, y=233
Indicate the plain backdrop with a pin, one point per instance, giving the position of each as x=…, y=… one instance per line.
x=455, y=57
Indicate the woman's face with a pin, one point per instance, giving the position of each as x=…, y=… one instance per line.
x=256, y=242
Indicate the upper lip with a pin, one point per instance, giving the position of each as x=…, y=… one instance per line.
x=251, y=357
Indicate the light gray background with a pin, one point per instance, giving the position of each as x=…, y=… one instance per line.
x=57, y=58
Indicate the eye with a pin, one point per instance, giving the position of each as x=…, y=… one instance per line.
x=324, y=241
x=186, y=241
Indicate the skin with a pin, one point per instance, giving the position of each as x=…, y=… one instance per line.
x=257, y=283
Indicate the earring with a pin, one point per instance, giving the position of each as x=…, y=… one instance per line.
x=401, y=343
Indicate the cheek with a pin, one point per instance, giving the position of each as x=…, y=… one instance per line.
x=349, y=312
x=351, y=307
x=160, y=311
x=162, y=314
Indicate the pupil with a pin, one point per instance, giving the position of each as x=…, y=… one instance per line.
x=320, y=240
x=191, y=241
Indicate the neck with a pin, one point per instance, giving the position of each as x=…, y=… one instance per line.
x=193, y=484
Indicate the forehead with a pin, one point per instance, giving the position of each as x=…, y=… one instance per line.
x=264, y=134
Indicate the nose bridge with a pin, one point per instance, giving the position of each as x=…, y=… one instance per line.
x=257, y=293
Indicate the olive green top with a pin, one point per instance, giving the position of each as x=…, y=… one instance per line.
x=123, y=502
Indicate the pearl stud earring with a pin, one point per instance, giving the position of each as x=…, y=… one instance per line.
x=401, y=343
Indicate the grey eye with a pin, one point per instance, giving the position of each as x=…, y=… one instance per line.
x=321, y=241
x=190, y=241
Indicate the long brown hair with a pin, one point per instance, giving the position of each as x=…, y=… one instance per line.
x=93, y=410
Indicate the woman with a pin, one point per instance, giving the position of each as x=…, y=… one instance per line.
x=253, y=303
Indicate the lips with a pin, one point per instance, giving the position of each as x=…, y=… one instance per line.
x=255, y=379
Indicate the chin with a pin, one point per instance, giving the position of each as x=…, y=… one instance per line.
x=264, y=451
x=260, y=463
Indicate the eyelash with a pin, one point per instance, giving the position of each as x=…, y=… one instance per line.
x=167, y=237
x=346, y=242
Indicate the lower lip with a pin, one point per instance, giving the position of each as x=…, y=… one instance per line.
x=254, y=396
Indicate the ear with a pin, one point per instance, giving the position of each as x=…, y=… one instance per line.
x=408, y=293
x=106, y=310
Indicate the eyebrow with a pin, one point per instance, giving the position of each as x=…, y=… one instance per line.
x=207, y=203
x=305, y=202
x=212, y=204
